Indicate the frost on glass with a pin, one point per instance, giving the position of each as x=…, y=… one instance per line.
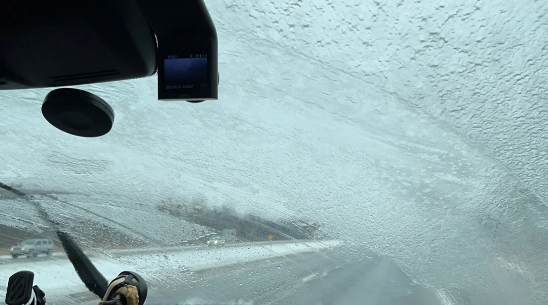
x=410, y=133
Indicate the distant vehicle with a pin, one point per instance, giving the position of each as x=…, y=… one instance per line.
x=32, y=247
x=216, y=242
x=229, y=235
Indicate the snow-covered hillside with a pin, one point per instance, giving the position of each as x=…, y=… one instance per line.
x=416, y=128
x=110, y=223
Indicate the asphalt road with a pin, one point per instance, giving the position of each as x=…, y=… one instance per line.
x=324, y=277
x=6, y=260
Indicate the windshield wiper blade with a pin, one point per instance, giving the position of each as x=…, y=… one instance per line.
x=88, y=273
x=11, y=189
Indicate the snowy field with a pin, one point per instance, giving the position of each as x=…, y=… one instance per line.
x=58, y=276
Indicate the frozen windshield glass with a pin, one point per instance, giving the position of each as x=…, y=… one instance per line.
x=360, y=152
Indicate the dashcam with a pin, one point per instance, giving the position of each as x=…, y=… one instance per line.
x=187, y=69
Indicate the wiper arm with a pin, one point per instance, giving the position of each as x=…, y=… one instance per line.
x=90, y=276
x=110, y=293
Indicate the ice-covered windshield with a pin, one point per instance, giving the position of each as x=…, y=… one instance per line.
x=360, y=152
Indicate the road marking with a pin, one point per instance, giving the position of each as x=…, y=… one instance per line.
x=309, y=277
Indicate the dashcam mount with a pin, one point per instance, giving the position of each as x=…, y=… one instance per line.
x=63, y=43
x=187, y=55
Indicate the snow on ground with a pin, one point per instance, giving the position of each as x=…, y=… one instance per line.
x=140, y=220
x=216, y=257
x=17, y=213
x=57, y=277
